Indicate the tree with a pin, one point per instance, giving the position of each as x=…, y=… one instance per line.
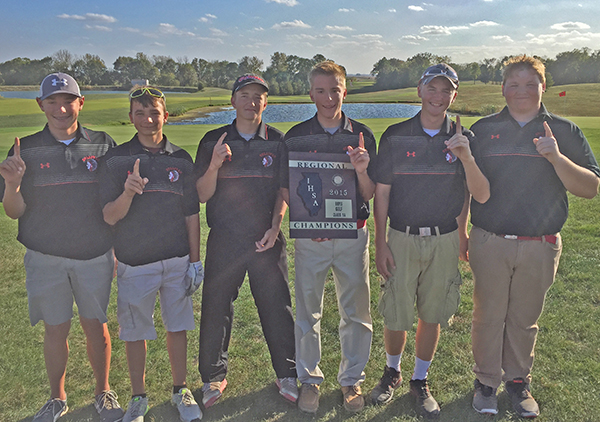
x=187, y=75
x=250, y=65
x=89, y=70
x=62, y=61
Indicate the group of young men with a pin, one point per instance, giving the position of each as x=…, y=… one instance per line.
x=141, y=200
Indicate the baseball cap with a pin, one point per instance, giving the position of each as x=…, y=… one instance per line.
x=58, y=83
x=441, y=69
x=248, y=79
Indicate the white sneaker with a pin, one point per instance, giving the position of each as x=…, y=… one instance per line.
x=186, y=405
x=51, y=411
x=288, y=388
x=136, y=409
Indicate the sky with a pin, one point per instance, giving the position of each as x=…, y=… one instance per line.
x=355, y=34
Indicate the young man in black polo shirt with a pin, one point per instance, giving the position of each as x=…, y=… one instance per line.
x=330, y=130
x=425, y=173
x=147, y=188
x=49, y=182
x=238, y=167
x=532, y=158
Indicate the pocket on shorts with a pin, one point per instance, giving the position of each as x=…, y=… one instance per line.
x=479, y=236
x=452, y=299
x=387, y=304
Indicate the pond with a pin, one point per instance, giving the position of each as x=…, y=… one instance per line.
x=299, y=112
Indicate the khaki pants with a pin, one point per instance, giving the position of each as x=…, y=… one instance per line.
x=511, y=281
x=349, y=260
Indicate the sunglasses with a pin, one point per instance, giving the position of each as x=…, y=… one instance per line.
x=151, y=91
x=441, y=71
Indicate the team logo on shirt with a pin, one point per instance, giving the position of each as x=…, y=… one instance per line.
x=90, y=163
x=44, y=165
x=450, y=157
x=267, y=159
x=496, y=136
x=174, y=174
x=411, y=154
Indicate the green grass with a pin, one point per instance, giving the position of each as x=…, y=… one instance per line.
x=566, y=372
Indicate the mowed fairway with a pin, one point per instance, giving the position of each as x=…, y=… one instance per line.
x=566, y=371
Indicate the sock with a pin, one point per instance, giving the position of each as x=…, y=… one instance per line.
x=421, y=368
x=176, y=388
x=139, y=395
x=393, y=361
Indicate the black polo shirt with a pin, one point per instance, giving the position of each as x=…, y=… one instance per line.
x=154, y=228
x=63, y=216
x=309, y=136
x=527, y=196
x=247, y=185
x=427, y=181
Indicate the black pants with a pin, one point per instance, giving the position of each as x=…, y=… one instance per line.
x=228, y=258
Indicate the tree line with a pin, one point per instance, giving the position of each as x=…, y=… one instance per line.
x=286, y=74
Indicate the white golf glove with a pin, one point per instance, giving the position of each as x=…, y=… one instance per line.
x=193, y=277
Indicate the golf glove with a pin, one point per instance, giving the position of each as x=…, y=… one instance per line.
x=193, y=277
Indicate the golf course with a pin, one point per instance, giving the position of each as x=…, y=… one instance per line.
x=566, y=373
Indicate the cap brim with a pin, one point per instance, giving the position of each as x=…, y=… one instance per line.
x=429, y=78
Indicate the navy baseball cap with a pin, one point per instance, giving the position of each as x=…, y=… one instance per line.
x=441, y=69
x=248, y=79
x=58, y=83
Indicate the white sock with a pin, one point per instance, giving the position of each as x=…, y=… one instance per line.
x=421, y=368
x=393, y=361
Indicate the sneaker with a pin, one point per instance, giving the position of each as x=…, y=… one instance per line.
x=384, y=390
x=485, y=400
x=308, y=400
x=353, y=399
x=523, y=402
x=288, y=388
x=426, y=404
x=108, y=407
x=212, y=392
x=51, y=411
x=136, y=409
x=186, y=405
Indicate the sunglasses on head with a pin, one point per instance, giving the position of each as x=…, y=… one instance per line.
x=441, y=71
x=151, y=91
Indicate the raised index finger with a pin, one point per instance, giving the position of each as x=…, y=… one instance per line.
x=136, y=168
x=221, y=139
x=458, y=126
x=17, y=149
x=361, y=140
x=549, y=133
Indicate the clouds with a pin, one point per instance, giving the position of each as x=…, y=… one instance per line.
x=169, y=29
x=89, y=17
x=570, y=25
x=207, y=18
x=290, y=3
x=416, y=8
x=481, y=24
x=293, y=24
x=338, y=28
x=441, y=30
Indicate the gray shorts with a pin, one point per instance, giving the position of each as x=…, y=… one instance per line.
x=426, y=274
x=138, y=286
x=53, y=281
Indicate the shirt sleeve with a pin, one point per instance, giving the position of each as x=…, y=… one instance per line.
x=384, y=161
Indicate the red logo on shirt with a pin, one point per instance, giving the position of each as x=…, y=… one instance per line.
x=47, y=165
x=411, y=154
x=496, y=136
x=90, y=162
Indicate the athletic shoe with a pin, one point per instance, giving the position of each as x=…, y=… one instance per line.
x=108, y=407
x=353, y=399
x=51, y=411
x=308, y=400
x=384, y=390
x=186, y=405
x=426, y=404
x=212, y=392
x=288, y=388
x=136, y=409
x=485, y=400
x=523, y=402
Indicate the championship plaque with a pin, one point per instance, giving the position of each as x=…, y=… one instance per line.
x=322, y=196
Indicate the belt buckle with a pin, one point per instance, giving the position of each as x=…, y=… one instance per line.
x=511, y=236
x=424, y=231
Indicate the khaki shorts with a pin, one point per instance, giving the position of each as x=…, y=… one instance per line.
x=426, y=274
x=53, y=281
x=138, y=286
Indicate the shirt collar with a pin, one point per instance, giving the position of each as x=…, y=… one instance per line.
x=261, y=132
x=416, y=128
x=315, y=126
x=136, y=146
x=79, y=133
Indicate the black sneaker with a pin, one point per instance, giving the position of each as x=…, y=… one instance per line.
x=384, y=390
x=523, y=402
x=426, y=404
